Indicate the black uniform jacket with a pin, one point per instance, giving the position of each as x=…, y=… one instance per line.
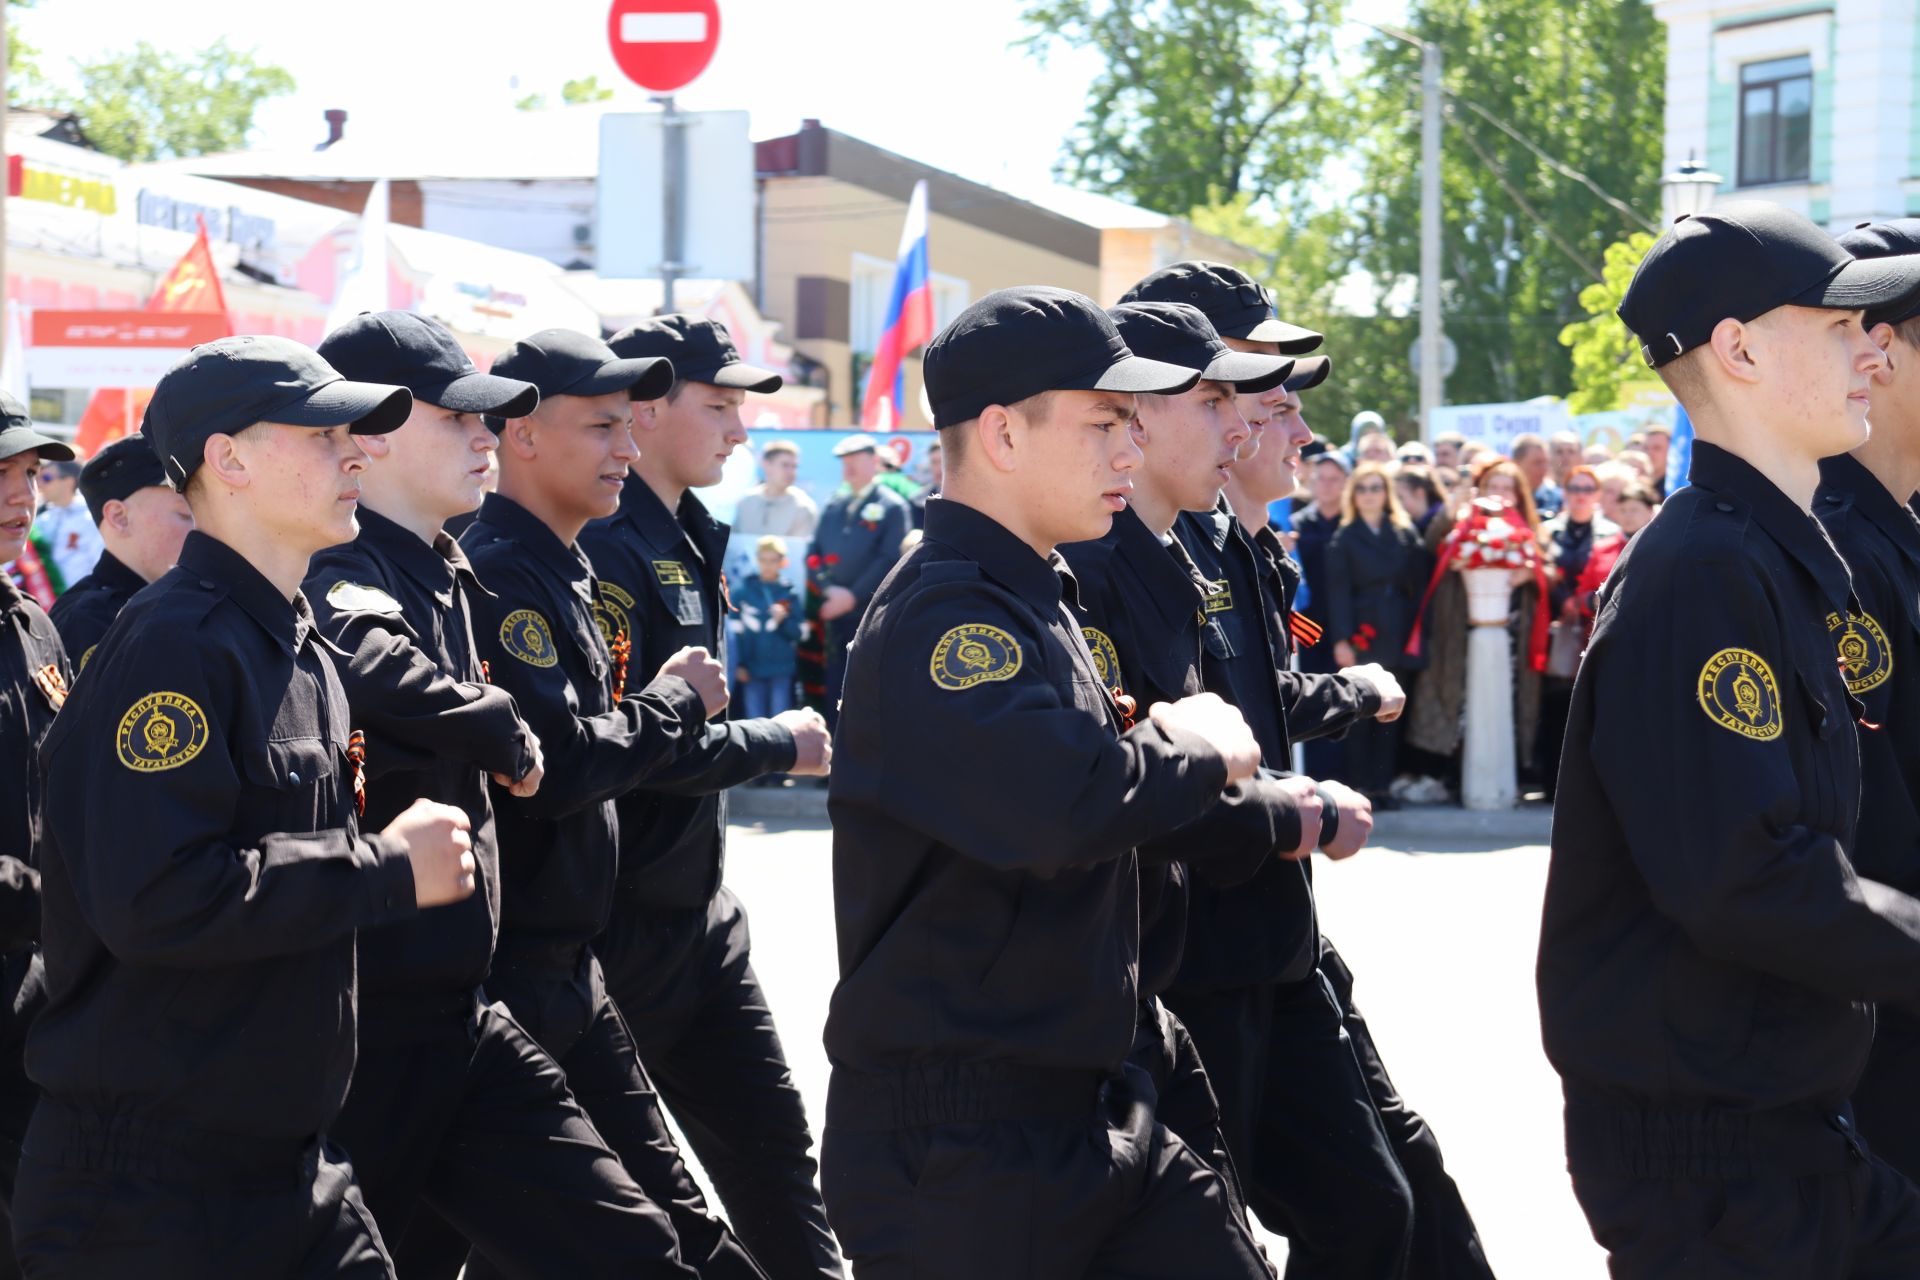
x=1879, y=652
x=204, y=872
x=88, y=607
x=858, y=540
x=1140, y=603
x=986, y=806
x=661, y=586
x=434, y=728
x=1265, y=931
x=539, y=639
x=1707, y=946
x=33, y=686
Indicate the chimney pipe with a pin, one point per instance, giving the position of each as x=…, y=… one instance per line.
x=336, y=127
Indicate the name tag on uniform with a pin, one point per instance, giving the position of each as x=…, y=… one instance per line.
x=672, y=573
x=1219, y=597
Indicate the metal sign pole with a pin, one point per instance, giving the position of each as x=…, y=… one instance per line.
x=673, y=195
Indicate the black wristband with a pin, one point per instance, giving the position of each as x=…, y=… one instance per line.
x=1329, y=815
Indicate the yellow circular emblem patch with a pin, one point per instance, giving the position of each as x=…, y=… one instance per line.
x=1866, y=659
x=974, y=654
x=1106, y=658
x=85, y=658
x=613, y=610
x=161, y=731
x=526, y=636
x=1737, y=691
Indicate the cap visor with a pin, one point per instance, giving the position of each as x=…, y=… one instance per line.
x=641, y=377
x=743, y=377
x=1865, y=284
x=1309, y=373
x=1293, y=340
x=370, y=407
x=1142, y=376
x=486, y=393
x=20, y=439
x=1249, y=372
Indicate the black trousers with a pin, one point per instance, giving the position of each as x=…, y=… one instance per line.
x=1861, y=1223
x=1183, y=1097
x=1373, y=749
x=1446, y=1244
x=1314, y=1157
x=23, y=993
x=685, y=982
x=1112, y=1195
x=98, y=1200
x=1886, y=1104
x=575, y=1020
x=461, y=1111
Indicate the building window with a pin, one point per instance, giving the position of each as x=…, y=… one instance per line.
x=1776, y=121
x=871, y=289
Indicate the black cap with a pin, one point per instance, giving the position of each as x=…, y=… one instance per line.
x=561, y=362
x=701, y=350
x=409, y=350
x=119, y=471
x=1180, y=334
x=1238, y=305
x=1309, y=372
x=1892, y=239
x=231, y=383
x=1740, y=260
x=1020, y=342
x=18, y=434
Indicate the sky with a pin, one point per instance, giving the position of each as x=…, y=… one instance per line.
x=933, y=81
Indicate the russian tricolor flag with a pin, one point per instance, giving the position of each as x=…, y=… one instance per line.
x=909, y=321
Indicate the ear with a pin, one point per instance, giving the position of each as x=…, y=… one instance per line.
x=520, y=438
x=996, y=434
x=375, y=446
x=222, y=457
x=1732, y=349
x=114, y=514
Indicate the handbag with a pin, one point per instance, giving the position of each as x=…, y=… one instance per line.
x=1565, y=645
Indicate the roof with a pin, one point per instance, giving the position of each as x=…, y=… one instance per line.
x=560, y=143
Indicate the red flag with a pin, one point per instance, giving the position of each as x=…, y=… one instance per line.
x=192, y=285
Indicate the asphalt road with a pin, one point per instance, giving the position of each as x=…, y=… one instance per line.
x=1441, y=942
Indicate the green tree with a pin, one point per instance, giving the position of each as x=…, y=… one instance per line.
x=1579, y=80
x=1202, y=100
x=154, y=105
x=585, y=89
x=1604, y=353
x=23, y=58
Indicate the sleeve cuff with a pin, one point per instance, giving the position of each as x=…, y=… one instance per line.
x=392, y=879
x=1368, y=696
x=680, y=697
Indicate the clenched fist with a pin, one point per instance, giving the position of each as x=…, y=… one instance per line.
x=708, y=678
x=440, y=848
x=1393, y=699
x=812, y=744
x=1220, y=723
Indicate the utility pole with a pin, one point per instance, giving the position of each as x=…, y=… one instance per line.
x=1432, y=374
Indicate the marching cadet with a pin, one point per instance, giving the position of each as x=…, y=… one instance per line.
x=1709, y=954
x=452, y=1104
x=1863, y=504
x=1143, y=603
x=33, y=687
x=1445, y=1242
x=562, y=464
x=199, y=1031
x=858, y=541
x=677, y=952
x=986, y=804
x=142, y=524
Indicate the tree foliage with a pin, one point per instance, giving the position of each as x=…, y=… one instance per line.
x=1582, y=80
x=1604, y=353
x=1203, y=100
x=153, y=105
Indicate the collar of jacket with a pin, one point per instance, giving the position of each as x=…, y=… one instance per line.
x=216, y=564
x=658, y=527
x=1736, y=483
x=531, y=532
x=1042, y=583
x=1846, y=480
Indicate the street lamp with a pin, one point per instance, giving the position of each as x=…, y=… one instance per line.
x=1688, y=190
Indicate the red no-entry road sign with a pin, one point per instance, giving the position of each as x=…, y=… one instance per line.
x=663, y=45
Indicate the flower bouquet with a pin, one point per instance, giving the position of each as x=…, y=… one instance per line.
x=1490, y=541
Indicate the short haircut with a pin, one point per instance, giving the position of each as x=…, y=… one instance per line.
x=1657, y=429
x=1908, y=331
x=780, y=448
x=1449, y=437
x=771, y=543
x=1525, y=443
x=1037, y=407
x=1640, y=492
x=1684, y=377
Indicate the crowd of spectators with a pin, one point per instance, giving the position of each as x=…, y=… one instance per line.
x=1371, y=526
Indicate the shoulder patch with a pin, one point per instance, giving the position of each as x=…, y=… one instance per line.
x=1737, y=691
x=974, y=654
x=161, y=731
x=1106, y=658
x=1866, y=659
x=613, y=610
x=526, y=635
x=85, y=658
x=358, y=597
